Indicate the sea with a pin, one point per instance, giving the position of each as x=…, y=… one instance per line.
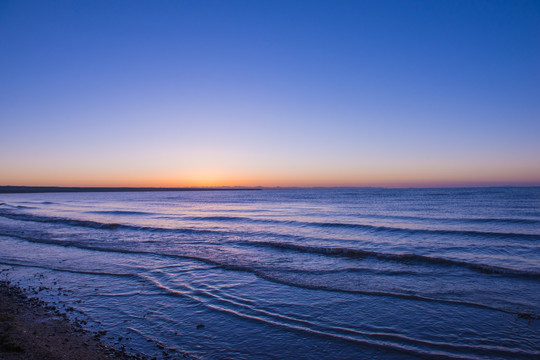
x=345, y=273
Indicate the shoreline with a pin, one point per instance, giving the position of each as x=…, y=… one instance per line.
x=31, y=329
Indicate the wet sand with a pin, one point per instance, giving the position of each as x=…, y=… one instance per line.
x=33, y=330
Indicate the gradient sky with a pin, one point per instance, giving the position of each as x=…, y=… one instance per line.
x=302, y=93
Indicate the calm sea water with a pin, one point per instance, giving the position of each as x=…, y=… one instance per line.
x=283, y=274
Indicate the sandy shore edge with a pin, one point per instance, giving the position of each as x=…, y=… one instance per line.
x=31, y=329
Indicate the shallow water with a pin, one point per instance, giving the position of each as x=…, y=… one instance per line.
x=308, y=273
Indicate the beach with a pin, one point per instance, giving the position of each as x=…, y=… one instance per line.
x=31, y=329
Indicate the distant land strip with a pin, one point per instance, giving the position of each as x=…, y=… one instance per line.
x=61, y=189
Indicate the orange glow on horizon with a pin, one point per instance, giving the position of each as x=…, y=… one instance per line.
x=219, y=179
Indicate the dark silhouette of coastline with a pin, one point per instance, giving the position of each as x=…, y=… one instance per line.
x=59, y=189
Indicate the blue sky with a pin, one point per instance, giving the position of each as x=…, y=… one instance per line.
x=378, y=93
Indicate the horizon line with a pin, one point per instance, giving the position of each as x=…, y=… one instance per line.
x=12, y=189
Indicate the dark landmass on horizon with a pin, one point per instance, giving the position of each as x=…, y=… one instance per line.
x=62, y=189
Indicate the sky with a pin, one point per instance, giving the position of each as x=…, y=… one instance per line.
x=270, y=93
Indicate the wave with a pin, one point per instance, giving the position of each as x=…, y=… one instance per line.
x=29, y=202
x=401, y=258
x=78, y=245
x=407, y=296
x=267, y=274
x=97, y=224
x=299, y=325
x=399, y=342
x=226, y=218
x=460, y=220
x=73, y=271
x=18, y=206
x=372, y=216
x=337, y=251
x=502, y=220
x=355, y=270
x=387, y=229
x=56, y=220
x=118, y=212
x=25, y=207
x=365, y=227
